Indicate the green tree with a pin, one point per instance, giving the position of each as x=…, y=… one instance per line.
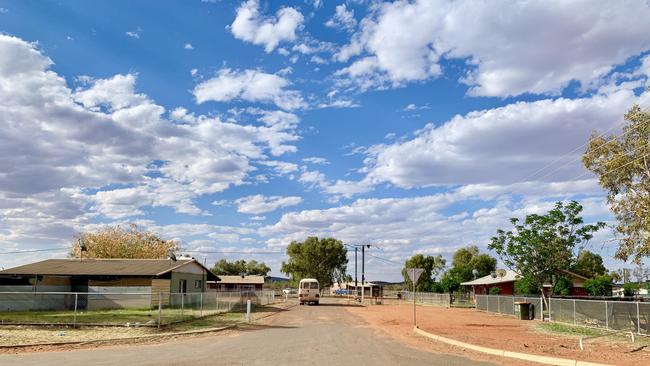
x=599, y=286
x=120, y=242
x=542, y=245
x=495, y=290
x=238, y=267
x=527, y=286
x=464, y=262
x=322, y=259
x=432, y=267
x=621, y=163
x=630, y=289
x=562, y=286
x=589, y=265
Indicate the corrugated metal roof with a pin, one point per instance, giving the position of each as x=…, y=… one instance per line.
x=509, y=276
x=102, y=267
x=239, y=280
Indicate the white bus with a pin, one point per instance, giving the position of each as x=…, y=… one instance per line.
x=309, y=291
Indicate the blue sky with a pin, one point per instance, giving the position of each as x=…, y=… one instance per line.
x=231, y=126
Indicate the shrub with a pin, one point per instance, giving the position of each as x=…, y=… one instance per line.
x=495, y=290
x=599, y=286
x=630, y=289
x=527, y=286
x=562, y=286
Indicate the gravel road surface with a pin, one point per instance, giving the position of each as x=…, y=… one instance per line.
x=307, y=335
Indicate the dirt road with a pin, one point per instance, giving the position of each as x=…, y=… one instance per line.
x=312, y=335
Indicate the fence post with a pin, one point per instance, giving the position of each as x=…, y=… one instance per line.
x=182, y=304
x=550, y=319
x=575, y=322
x=216, y=295
x=201, y=312
x=159, y=308
x=606, y=317
x=74, y=320
x=638, y=319
x=498, y=304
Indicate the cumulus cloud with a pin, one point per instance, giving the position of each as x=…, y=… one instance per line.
x=251, y=26
x=499, y=145
x=258, y=204
x=509, y=47
x=250, y=86
x=342, y=19
x=105, y=151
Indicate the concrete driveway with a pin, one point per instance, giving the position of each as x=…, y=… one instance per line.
x=308, y=335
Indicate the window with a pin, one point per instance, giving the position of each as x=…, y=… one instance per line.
x=314, y=285
x=197, y=284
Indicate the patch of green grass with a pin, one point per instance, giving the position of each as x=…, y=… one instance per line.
x=569, y=330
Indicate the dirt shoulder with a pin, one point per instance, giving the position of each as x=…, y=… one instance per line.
x=471, y=326
x=39, y=338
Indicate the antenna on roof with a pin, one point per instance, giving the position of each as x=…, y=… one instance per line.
x=82, y=248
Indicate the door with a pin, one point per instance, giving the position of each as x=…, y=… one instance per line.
x=182, y=286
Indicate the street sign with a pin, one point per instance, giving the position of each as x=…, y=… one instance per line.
x=414, y=274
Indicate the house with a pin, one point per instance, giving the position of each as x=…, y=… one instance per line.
x=156, y=278
x=505, y=281
x=237, y=283
x=369, y=289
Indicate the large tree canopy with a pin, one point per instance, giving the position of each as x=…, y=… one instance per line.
x=118, y=242
x=323, y=259
x=542, y=245
x=621, y=163
x=238, y=267
x=464, y=262
x=432, y=267
x=589, y=265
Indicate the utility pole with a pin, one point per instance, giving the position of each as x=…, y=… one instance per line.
x=356, y=285
x=363, y=272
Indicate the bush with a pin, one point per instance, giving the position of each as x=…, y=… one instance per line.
x=562, y=286
x=495, y=290
x=630, y=289
x=599, y=286
x=526, y=286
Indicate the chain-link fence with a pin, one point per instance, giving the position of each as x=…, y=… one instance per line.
x=427, y=298
x=127, y=309
x=507, y=304
x=612, y=315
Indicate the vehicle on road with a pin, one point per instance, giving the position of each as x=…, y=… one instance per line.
x=341, y=291
x=309, y=291
x=289, y=291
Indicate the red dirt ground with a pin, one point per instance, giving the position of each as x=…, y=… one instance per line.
x=496, y=331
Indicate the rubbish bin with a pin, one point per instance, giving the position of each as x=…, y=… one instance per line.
x=525, y=311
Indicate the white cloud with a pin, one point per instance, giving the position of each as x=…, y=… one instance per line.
x=510, y=48
x=250, y=26
x=499, y=145
x=250, y=86
x=134, y=34
x=105, y=151
x=193, y=72
x=342, y=19
x=258, y=204
x=316, y=160
x=413, y=107
x=188, y=46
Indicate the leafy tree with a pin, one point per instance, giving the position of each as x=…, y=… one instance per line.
x=495, y=290
x=589, y=265
x=599, y=286
x=238, y=267
x=542, y=245
x=431, y=265
x=630, y=289
x=562, y=286
x=464, y=261
x=119, y=242
x=621, y=164
x=527, y=286
x=322, y=259
x=615, y=276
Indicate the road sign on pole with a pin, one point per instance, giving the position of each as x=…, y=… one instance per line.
x=414, y=275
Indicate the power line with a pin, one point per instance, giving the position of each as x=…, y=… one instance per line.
x=34, y=250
